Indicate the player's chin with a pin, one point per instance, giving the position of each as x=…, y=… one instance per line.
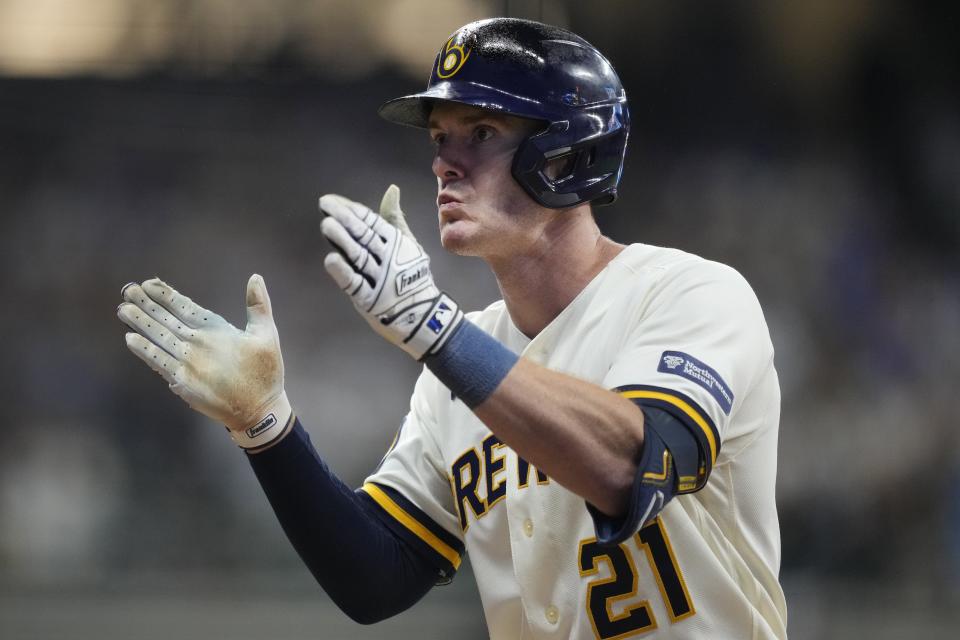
x=456, y=237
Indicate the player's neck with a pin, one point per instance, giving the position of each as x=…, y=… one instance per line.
x=536, y=286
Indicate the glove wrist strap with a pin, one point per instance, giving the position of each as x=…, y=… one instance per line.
x=272, y=425
x=435, y=327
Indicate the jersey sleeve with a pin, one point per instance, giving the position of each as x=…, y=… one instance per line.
x=410, y=491
x=694, y=349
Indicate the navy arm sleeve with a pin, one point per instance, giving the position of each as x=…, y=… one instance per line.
x=366, y=569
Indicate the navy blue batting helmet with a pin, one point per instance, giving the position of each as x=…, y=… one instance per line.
x=532, y=70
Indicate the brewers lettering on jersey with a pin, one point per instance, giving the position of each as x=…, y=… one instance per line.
x=602, y=441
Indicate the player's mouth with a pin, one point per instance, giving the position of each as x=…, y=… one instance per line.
x=446, y=198
x=449, y=207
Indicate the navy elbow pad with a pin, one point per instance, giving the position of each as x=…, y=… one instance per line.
x=671, y=463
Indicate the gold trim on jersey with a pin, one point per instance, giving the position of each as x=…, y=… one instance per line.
x=692, y=412
x=412, y=524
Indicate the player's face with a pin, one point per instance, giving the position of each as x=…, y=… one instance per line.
x=482, y=210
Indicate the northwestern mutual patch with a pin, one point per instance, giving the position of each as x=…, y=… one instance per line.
x=686, y=366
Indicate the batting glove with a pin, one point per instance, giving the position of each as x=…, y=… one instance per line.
x=386, y=273
x=229, y=375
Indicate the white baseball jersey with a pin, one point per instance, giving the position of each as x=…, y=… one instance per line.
x=663, y=327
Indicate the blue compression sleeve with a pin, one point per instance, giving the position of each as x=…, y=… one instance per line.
x=471, y=363
x=367, y=570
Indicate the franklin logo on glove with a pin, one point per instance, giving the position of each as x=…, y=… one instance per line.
x=262, y=426
x=411, y=277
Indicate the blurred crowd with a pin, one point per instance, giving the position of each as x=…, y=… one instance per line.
x=813, y=146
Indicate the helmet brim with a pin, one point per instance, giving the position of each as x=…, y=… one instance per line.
x=414, y=110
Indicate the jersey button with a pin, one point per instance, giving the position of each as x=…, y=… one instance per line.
x=552, y=614
x=528, y=528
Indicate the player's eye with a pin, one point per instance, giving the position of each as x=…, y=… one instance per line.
x=483, y=132
x=437, y=138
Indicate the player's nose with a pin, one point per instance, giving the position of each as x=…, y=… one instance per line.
x=447, y=166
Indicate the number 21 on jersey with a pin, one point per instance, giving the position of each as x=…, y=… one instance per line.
x=621, y=584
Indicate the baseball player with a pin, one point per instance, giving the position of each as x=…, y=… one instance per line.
x=602, y=441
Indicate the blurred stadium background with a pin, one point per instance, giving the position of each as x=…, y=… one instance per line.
x=813, y=145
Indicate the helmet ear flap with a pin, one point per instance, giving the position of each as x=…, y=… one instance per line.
x=572, y=162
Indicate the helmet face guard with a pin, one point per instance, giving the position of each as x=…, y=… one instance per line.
x=532, y=70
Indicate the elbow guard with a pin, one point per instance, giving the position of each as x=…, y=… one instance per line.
x=671, y=463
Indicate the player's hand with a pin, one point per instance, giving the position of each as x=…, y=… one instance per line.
x=229, y=375
x=386, y=273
